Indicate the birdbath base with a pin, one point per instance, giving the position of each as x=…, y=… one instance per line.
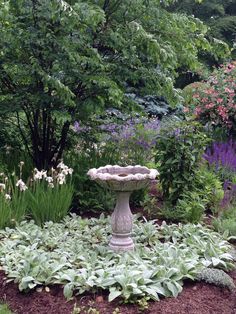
x=122, y=180
x=122, y=223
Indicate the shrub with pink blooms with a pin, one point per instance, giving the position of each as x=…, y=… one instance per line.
x=216, y=104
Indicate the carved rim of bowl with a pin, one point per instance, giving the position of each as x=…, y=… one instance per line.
x=123, y=174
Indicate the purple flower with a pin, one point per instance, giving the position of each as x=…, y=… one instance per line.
x=222, y=155
x=81, y=129
x=229, y=193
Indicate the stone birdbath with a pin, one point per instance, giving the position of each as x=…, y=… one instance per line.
x=122, y=180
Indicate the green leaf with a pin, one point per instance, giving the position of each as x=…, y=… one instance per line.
x=113, y=294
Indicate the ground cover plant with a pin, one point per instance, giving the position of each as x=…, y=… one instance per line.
x=4, y=309
x=74, y=253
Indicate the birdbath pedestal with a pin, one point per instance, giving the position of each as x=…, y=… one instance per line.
x=122, y=180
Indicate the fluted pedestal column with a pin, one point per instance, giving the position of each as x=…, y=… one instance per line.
x=122, y=223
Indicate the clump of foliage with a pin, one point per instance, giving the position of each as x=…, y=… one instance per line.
x=74, y=253
x=179, y=152
x=188, y=187
x=81, y=56
x=226, y=220
x=13, y=198
x=4, y=309
x=45, y=196
x=216, y=105
x=109, y=141
x=217, y=277
x=87, y=194
x=133, y=141
x=50, y=194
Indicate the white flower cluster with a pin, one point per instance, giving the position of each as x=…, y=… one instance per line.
x=2, y=186
x=63, y=172
x=22, y=186
x=65, y=169
x=39, y=175
x=7, y=196
x=57, y=176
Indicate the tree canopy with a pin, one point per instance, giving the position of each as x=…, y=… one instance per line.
x=60, y=60
x=220, y=15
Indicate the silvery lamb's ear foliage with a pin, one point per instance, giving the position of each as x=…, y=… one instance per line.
x=75, y=254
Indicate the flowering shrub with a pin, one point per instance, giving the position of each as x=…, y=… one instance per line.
x=135, y=140
x=216, y=104
x=129, y=142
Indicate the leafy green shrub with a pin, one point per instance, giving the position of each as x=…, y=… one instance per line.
x=88, y=195
x=149, y=205
x=179, y=152
x=217, y=277
x=210, y=188
x=75, y=254
x=189, y=208
x=188, y=186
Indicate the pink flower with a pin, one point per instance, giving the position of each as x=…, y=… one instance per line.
x=223, y=112
x=228, y=90
x=219, y=100
x=210, y=105
x=186, y=109
x=197, y=111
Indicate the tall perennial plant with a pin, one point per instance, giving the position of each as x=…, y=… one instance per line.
x=45, y=196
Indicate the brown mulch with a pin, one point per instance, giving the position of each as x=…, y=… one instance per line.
x=196, y=298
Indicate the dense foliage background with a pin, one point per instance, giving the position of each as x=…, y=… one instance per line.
x=62, y=60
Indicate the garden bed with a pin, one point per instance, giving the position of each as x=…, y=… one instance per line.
x=71, y=259
x=196, y=298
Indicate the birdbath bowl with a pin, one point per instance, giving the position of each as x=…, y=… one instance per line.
x=122, y=180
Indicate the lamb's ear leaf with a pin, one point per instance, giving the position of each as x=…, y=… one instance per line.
x=113, y=294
